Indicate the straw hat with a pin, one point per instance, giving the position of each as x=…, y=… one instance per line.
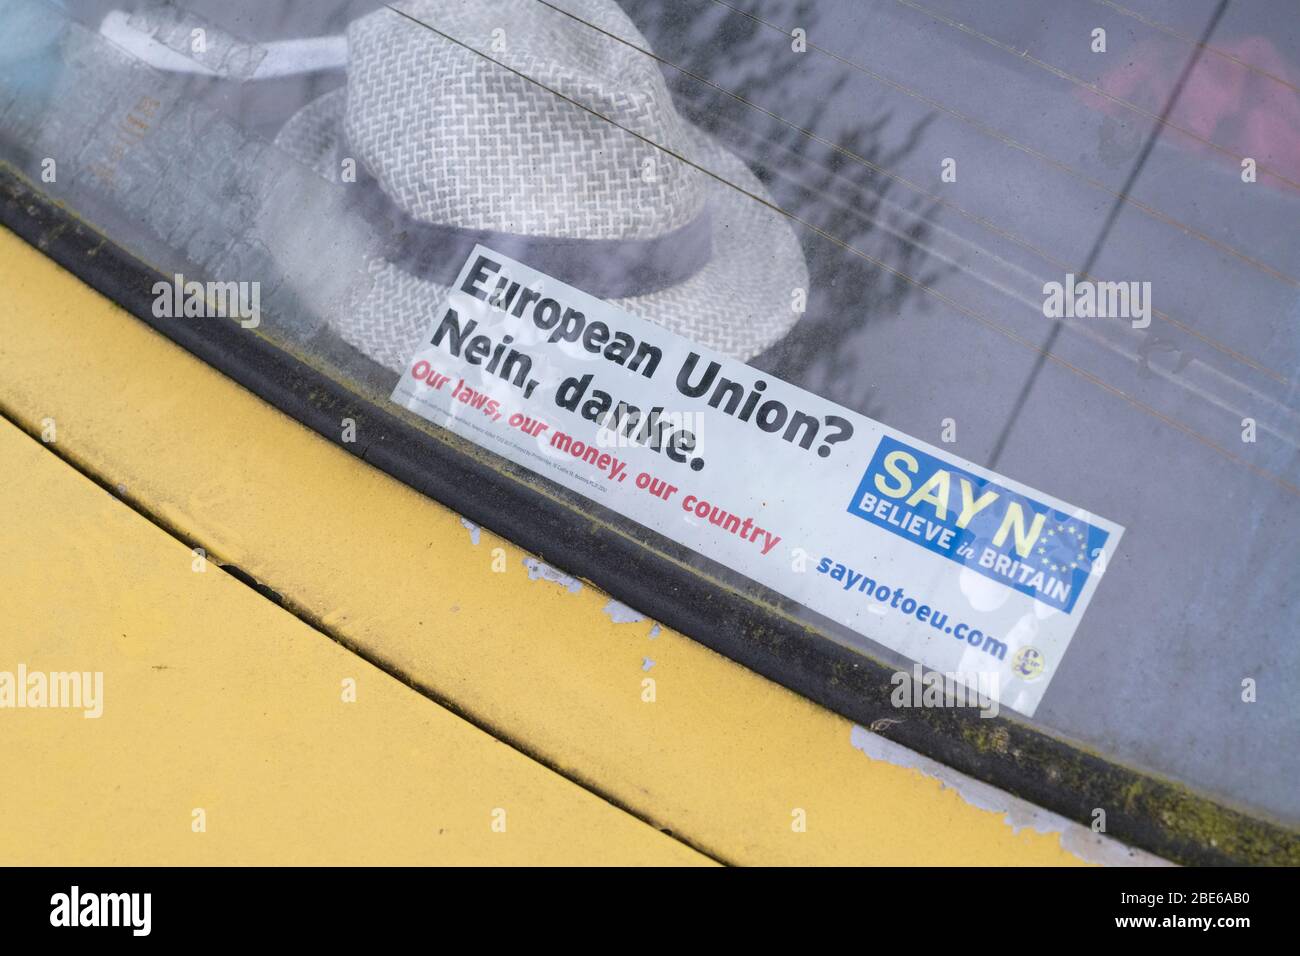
x=498, y=121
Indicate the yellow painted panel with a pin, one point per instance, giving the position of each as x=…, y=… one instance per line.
x=721, y=756
x=214, y=699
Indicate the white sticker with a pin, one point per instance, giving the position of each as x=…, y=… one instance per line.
x=971, y=574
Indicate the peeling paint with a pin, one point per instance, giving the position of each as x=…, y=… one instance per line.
x=654, y=632
x=620, y=613
x=646, y=663
x=1016, y=813
x=473, y=530
x=539, y=571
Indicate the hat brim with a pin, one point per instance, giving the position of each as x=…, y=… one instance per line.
x=739, y=303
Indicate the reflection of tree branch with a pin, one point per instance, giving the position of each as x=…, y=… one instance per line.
x=829, y=184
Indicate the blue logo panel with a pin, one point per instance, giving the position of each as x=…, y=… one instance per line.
x=975, y=522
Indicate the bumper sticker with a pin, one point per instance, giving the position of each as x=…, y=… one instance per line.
x=960, y=569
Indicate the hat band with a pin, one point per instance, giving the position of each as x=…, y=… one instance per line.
x=605, y=268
